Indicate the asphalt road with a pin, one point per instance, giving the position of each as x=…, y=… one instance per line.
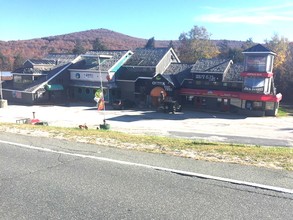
x=55, y=184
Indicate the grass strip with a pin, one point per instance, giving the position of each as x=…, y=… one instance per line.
x=271, y=157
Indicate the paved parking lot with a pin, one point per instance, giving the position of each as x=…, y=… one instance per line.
x=190, y=124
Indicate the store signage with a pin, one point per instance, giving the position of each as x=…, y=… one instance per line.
x=158, y=83
x=251, y=74
x=161, y=81
x=253, y=89
x=208, y=77
x=84, y=76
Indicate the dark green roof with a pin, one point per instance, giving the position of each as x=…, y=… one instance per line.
x=147, y=57
x=210, y=65
x=258, y=49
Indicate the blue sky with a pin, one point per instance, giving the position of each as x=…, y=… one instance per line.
x=162, y=19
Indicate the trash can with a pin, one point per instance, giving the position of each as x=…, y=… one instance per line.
x=3, y=103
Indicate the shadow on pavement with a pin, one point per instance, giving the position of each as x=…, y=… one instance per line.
x=153, y=115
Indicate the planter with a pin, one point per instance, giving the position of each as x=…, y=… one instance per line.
x=105, y=126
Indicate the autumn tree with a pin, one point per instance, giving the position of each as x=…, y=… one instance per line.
x=279, y=45
x=150, y=44
x=98, y=45
x=288, y=76
x=282, y=62
x=196, y=44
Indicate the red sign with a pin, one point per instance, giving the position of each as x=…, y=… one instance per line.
x=231, y=94
x=264, y=75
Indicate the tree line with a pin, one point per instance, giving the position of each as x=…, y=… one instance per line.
x=196, y=44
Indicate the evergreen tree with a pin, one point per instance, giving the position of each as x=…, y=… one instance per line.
x=247, y=44
x=4, y=63
x=78, y=48
x=18, y=61
x=171, y=44
x=150, y=44
x=98, y=45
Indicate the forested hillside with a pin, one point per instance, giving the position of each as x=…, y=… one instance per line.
x=13, y=53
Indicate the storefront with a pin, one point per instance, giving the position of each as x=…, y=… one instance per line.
x=161, y=85
x=206, y=86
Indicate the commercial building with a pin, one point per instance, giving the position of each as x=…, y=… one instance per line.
x=141, y=76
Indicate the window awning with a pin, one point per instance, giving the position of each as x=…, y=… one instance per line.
x=231, y=94
x=54, y=87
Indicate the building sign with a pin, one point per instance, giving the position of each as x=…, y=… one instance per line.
x=156, y=83
x=254, y=85
x=85, y=76
x=250, y=74
x=208, y=77
x=162, y=82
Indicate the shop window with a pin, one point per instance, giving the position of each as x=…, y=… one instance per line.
x=198, y=83
x=79, y=90
x=234, y=85
x=87, y=91
x=270, y=105
x=248, y=105
x=17, y=79
x=190, y=98
x=236, y=102
x=257, y=105
x=255, y=64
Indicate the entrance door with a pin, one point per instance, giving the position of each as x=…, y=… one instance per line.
x=225, y=105
x=156, y=94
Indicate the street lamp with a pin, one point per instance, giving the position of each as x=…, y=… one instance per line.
x=104, y=125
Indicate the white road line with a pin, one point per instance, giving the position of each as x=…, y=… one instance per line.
x=193, y=174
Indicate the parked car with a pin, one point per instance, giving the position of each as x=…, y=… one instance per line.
x=121, y=104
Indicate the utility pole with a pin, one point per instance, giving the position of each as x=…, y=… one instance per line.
x=1, y=94
x=3, y=103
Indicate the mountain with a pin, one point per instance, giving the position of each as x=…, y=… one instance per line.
x=39, y=47
x=12, y=51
